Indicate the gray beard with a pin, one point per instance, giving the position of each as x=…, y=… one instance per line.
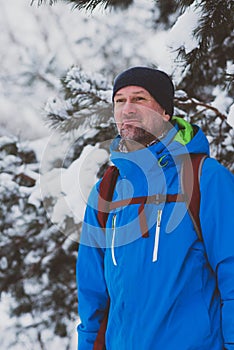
x=138, y=135
x=141, y=136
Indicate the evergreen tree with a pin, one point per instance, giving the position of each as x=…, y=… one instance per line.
x=37, y=261
x=208, y=63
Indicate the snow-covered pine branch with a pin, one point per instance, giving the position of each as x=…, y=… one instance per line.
x=90, y=4
x=86, y=103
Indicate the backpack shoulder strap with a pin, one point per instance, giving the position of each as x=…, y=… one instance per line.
x=106, y=190
x=190, y=182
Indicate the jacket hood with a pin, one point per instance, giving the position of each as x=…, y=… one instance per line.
x=189, y=138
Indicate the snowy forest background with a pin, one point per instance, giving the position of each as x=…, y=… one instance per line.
x=58, y=61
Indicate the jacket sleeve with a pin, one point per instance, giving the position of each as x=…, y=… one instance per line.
x=92, y=291
x=217, y=222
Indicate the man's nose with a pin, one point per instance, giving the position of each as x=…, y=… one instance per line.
x=129, y=108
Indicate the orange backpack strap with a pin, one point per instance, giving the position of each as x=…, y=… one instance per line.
x=190, y=182
x=100, y=341
x=106, y=191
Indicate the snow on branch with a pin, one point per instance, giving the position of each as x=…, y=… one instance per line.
x=91, y=4
x=86, y=103
x=182, y=101
x=40, y=2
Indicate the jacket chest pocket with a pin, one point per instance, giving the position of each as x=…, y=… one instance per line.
x=119, y=236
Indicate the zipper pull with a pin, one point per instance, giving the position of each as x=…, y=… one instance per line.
x=156, y=239
x=113, y=226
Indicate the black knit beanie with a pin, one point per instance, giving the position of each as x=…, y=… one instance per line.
x=155, y=81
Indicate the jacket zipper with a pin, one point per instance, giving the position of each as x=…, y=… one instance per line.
x=157, y=232
x=113, y=239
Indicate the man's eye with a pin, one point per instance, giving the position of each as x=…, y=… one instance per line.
x=119, y=100
x=140, y=98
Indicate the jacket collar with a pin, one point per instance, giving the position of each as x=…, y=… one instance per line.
x=141, y=160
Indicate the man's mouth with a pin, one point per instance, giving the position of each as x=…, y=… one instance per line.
x=133, y=122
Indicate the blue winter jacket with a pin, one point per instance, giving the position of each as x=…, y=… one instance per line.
x=168, y=291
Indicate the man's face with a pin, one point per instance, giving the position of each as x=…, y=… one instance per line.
x=138, y=116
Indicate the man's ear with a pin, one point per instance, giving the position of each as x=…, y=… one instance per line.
x=166, y=117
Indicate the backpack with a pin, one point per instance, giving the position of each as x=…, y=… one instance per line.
x=190, y=184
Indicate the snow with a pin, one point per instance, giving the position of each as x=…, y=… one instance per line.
x=70, y=187
x=230, y=117
x=182, y=32
x=6, y=181
x=27, y=340
x=221, y=101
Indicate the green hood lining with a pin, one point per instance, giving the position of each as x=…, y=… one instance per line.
x=186, y=133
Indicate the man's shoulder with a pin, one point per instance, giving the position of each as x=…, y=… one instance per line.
x=212, y=164
x=213, y=170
